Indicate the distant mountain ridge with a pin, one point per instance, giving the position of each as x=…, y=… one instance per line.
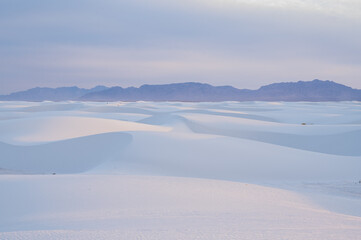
x=313, y=91
x=50, y=94
x=189, y=91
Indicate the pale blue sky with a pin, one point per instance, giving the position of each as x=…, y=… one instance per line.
x=244, y=43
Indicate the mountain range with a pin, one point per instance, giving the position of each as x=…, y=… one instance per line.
x=313, y=91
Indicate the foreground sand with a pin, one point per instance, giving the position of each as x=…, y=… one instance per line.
x=180, y=170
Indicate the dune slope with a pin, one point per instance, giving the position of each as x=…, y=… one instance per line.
x=145, y=170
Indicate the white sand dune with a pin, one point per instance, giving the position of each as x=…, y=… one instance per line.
x=180, y=170
x=210, y=156
x=118, y=109
x=324, y=139
x=50, y=107
x=47, y=129
x=138, y=207
x=68, y=156
x=329, y=139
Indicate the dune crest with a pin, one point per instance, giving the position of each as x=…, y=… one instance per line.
x=56, y=128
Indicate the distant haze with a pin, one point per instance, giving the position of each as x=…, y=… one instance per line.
x=243, y=43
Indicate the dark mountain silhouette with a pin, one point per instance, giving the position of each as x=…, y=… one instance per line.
x=190, y=91
x=50, y=94
x=314, y=91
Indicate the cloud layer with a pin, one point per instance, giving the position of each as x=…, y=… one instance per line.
x=243, y=43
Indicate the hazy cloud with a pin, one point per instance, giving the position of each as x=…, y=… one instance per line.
x=240, y=42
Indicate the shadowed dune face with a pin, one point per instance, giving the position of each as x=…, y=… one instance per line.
x=323, y=139
x=248, y=140
x=67, y=156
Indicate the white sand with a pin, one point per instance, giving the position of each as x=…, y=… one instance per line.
x=180, y=170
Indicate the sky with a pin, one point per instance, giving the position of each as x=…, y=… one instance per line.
x=243, y=43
